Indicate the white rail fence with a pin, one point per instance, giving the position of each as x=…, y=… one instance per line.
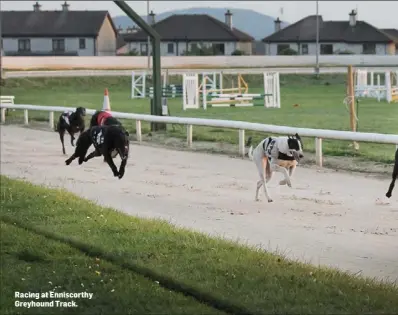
x=241, y=126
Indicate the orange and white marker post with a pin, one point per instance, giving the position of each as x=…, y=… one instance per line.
x=106, y=106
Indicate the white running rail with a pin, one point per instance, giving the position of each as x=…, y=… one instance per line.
x=318, y=134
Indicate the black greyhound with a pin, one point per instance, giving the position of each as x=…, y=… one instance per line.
x=394, y=176
x=72, y=122
x=104, y=118
x=106, y=140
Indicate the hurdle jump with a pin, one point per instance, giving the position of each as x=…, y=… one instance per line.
x=235, y=100
x=190, y=91
x=242, y=87
x=170, y=91
x=210, y=80
x=139, y=88
x=270, y=98
x=392, y=87
x=206, y=93
x=366, y=88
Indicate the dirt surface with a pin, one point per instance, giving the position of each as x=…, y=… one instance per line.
x=330, y=218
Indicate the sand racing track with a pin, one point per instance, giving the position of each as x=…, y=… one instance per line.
x=329, y=218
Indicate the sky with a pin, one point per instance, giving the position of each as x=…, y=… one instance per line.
x=382, y=14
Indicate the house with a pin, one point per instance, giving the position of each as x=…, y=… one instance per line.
x=193, y=33
x=335, y=37
x=121, y=45
x=60, y=33
x=393, y=33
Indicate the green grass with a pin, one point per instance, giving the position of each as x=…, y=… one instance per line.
x=320, y=106
x=52, y=238
x=34, y=263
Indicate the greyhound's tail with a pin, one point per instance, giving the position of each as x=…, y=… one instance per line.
x=249, y=144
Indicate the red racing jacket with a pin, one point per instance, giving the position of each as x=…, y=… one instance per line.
x=102, y=116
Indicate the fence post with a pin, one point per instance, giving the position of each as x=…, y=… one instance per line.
x=318, y=152
x=138, y=130
x=189, y=136
x=242, y=142
x=25, y=117
x=51, y=120
x=3, y=115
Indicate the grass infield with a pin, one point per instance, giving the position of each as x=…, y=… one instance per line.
x=53, y=240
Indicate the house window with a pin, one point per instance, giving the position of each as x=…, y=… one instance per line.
x=144, y=49
x=170, y=48
x=82, y=43
x=281, y=47
x=304, y=49
x=326, y=49
x=58, y=44
x=369, y=49
x=219, y=49
x=23, y=45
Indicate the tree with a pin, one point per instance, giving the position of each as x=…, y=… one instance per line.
x=237, y=52
x=288, y=52
x=345, y=52
x=199, y=50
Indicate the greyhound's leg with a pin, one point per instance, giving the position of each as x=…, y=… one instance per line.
x=109, y=160
x=72, y=137
x=291, y=172
x=259, y=184
x=268, y=173
x=61, y=137
x=260, y=170
x=123, y=153
x=68, y=161
x=92, y=155
x=394, y=177
x=122, y=167
x=261, y=167
x=275, y=167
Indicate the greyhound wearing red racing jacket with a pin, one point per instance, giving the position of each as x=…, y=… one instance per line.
x=104, y=118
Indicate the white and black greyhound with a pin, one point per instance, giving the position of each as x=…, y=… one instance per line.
x=275, y=154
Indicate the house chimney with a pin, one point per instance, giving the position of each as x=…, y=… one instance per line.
x=119, y=29
x=277, y=25
x=152, y=18
x=228, y=19
x=353, y=18
x=65, y=7
x=36, y=7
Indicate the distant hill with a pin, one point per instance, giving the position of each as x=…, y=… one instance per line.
x=255, y=24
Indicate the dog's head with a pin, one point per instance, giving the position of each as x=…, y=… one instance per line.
x=295, y=146
x=81, y=111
